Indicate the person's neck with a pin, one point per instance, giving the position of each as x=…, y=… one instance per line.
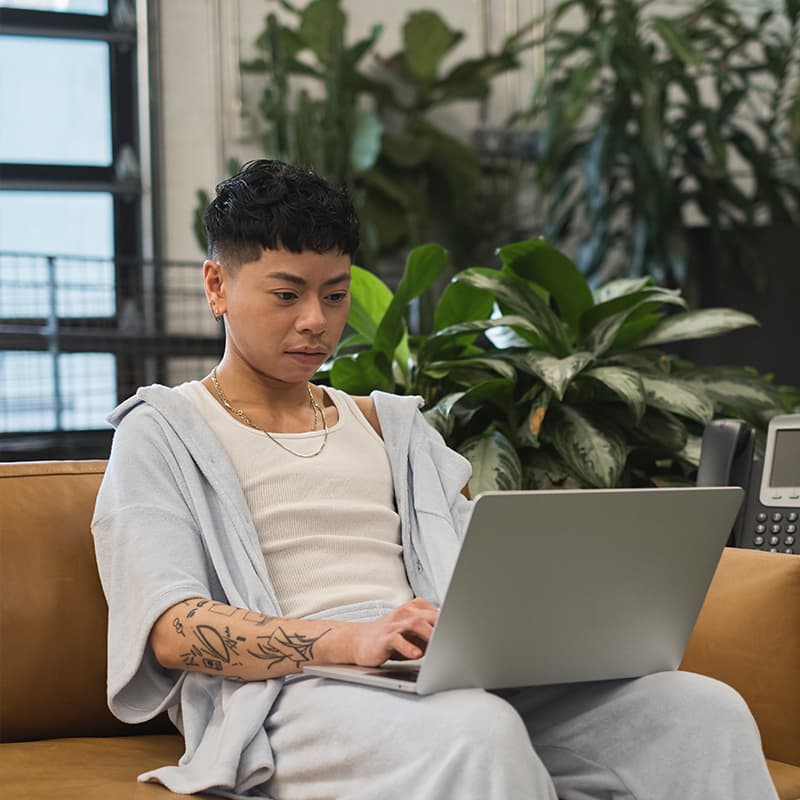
x=247, y=388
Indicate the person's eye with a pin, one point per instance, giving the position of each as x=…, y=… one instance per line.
x=337, y=297
x=285, y=297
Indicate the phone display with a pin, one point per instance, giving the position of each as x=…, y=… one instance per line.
x=784, y=477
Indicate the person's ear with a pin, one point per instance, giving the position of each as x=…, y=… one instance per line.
x=214, y=285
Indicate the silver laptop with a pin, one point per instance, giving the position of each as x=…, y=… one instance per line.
x=570, y=585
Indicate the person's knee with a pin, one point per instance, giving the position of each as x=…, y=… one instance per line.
x=482, y=721
x=698, y=699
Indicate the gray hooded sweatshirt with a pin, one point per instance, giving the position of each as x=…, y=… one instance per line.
x=171, y=523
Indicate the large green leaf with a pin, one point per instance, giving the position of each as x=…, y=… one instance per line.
x=544, y=469
x=517, y=295
x=598, y=457
x=423, y=266
x=322, y=28
x=624, y=382
x=555, y=373
x=362, y=373
x=480, y=364
x=436, y=342
x=461, y=302
x=538, y=261
x=495, y=463
x=698, y=324
x=735, y=390
x=427, y=39
x=369, y=299
x=625, y=295
x=684, y=399
x=624, y=318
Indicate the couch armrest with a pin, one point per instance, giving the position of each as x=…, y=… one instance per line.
x=748, y=635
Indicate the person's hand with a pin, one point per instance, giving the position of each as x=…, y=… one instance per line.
x=401, y=634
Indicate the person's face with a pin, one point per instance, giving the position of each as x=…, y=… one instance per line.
x=285, y=312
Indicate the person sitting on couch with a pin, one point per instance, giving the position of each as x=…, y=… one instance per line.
x=251, y=522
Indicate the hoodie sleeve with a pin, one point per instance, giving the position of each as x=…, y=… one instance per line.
x=150, y=556
x=437, y=476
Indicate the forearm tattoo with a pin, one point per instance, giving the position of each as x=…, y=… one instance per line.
x=280, y=646
x=213, y=647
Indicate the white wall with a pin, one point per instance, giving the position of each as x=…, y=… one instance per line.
x=204, y=101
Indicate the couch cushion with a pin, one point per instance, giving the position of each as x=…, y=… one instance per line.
x=786, y=778
x=88, y=768
x=748, y=635
x=52, y=609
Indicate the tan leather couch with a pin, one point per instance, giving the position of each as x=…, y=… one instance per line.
x=59, y=740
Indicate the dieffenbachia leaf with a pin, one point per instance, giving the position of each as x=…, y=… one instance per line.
x=495, y=463
x=626, y=383
x=598, y=457
x=684, y=399
x=555, y=373
x=698, y=324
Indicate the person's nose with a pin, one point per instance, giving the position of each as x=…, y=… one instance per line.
x=312, y=318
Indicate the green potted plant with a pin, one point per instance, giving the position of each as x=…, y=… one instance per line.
x=542, y=382
x=653, y=120
x=368, y=123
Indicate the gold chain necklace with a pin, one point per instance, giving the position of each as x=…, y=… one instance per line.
x=317, y=411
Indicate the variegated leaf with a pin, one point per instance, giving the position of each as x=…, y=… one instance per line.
x=735, y=388
x=441, y=369
x=698, y=324
x=528, y=432
x=517, y=294
x=595, y=456
x=495, y=463
x=440, y=416
x=620, y=287
x=543, y=469
x=691, y=450
x=436, y=341
x=625, y=383
x=555, y=373
x=684, y=399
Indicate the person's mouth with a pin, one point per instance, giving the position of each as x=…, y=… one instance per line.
x=308, y=355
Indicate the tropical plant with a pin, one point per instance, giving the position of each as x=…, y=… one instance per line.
x=542, y=382
x=368, y=124
x=655, y=119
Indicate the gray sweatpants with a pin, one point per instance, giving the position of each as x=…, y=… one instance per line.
x=668, y=736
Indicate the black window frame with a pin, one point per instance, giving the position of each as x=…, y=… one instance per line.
x=126, y=193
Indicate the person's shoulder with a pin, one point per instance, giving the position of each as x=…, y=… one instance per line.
x=366, y=406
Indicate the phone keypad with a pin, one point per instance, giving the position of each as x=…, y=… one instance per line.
x=775, y=531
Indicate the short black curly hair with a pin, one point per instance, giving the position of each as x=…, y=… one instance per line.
x=270, y=205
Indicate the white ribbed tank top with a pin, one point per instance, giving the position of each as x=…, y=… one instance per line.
x=327, y=525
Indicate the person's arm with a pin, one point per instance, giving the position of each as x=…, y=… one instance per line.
x=207, y=636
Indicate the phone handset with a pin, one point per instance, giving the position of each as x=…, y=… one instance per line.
x=726, y=454
x=726, y=459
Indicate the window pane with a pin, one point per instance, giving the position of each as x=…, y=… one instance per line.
x=28, y=402
x=88, y=389
x=58, y=92
x=26, y=392
x=76, y=230
x=99, y=7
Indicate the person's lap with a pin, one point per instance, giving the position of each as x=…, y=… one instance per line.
x=663, y=736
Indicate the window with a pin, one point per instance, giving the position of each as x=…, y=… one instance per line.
x=70, y=255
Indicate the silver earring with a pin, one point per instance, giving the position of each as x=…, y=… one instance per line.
x=217, y=317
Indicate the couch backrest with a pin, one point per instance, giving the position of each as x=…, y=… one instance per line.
x=53, y=614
